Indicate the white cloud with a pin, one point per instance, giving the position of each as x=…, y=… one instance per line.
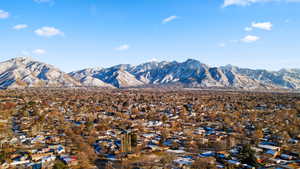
x=239, y=2
x=250, y=39
x=249, y=2
x=262, y=25
x=39, y=51
x=123, y=47
x=48, y=31
x=169, y=19
x=20, y=26
x=3, y=14
x=248, y=29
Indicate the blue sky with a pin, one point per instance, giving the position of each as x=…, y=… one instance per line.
x=76, y=34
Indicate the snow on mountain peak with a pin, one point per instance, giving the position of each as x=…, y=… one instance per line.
x=27, y=72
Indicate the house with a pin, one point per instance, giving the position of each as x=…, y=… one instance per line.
x=184, y=161
x=176, y=151
x=16, y=162
x=69, y=160
x=269, y=147
x=207, y=154
x=60, y=149
x=234, y=162
x=152, y=147
x=286, y=157
x=48, y=159
x=40, y=156
x=272, y=153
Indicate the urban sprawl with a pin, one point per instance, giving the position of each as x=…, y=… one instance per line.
x=148, y=129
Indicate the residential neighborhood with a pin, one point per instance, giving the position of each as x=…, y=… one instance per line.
x=145, y=128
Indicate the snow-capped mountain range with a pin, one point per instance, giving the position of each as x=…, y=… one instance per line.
x=23, y=72
x=26, y=72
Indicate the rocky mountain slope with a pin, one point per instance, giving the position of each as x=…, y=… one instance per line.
x=26, y=72
x=85, y=77
x=190, y=73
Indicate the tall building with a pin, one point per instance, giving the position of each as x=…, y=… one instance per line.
x=126, y=142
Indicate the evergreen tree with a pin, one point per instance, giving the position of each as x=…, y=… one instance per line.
x=247, y=156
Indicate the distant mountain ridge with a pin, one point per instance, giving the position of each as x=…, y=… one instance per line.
x=23, y=72
x=26, y=72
